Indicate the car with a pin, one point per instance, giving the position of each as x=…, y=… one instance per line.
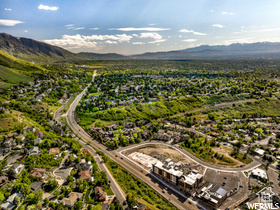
x=124, y=203
x=163, y=191
x=116, y=156
x=189, y=202
x=121, y=157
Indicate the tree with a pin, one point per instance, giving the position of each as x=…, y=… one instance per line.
x=16, y=201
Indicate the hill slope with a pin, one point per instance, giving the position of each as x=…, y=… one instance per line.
x=14, y=71
x=29, y=49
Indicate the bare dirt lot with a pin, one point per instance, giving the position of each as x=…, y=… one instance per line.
x=154, y=150
x=226, y=151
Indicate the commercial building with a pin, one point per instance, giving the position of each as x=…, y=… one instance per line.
x=178, y=174
x=213, y=195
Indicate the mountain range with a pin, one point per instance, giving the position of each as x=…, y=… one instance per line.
x=32, y=50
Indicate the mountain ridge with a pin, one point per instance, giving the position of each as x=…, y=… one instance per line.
x=32, y=50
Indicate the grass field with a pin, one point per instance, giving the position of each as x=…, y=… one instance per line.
x=12, y=76
x=5, y=85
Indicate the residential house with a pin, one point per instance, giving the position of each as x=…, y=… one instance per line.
x=38, y=141
x=40, y=134
x=100, y=194
x=36, y=186
x=55, y=151
x=259, y=152
x=86, y=175
x=17, y=167
x=86, y=166
x=3, y=180
x=73, y=197
x=9, y=204
x=34, y=151
x=39, y=173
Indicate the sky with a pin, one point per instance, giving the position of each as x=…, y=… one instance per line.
x=136, y=26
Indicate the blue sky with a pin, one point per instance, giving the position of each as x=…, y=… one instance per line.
x=138, y=26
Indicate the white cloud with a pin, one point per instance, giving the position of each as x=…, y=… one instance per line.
x=152, y=24
x=138, y=43
x=218, y=25
x=111, y=42
x=45, y=7
x=80, y=41
x=72, y=42
x=135, y=35
x=93, y=29
x=80, y=28
x=69, y=25
x=140, y=29
x=155, y=36
x=8, y=9
x=157, y=41
x=211, y=10
x=192, y=31
x=5, y=22
x=227, y=13
x=257, y=31
x=189, y=40
x=25, y=31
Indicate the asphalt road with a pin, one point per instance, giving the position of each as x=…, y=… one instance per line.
x=78, y=130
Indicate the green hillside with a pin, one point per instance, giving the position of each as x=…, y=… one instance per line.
x=10, y=76
x=14, y=71
x=18, y=64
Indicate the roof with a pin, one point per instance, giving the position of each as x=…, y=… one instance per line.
x=221, y=191
x=72, y=198
x=259, y=172
x=54, y=151
x=85, y=175
x=12, y=197
x=36, y=186
x=259, y=151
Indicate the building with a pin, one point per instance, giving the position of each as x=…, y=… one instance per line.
x=73, y=197
x=36, y=186
x=259, y=152
x=17, y=168
x=259, y=173
x=9, y=204
x=39, y=173
x=34, y=151
x=55, y=151
x=38, y=141
x=178, y=174
x=86, y=175
x=100, y=194
x=3, y=180
x=213, y=195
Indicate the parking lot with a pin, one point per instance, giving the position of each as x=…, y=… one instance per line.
x=227, y=181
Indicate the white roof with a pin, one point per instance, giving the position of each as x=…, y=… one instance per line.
x=259, y=172
x=259, y=151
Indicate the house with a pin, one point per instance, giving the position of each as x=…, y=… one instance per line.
x=27, y=129
x=86, y=175
x=38, y=141
x=100, y=194
x=3, y=180
x=40, y=134
x=34, y=151
x=36, y=186
x=39, y=173
x=17, y=167
x=87, y=166
x=9, y=204
x=55, y=152
x=73, y=197
x=259, y=152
